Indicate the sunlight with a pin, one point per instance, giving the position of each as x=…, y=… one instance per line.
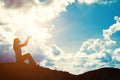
x=36, y=33
x=31, y=31
x=30, y=27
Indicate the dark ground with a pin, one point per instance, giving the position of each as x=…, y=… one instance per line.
x=15, y=71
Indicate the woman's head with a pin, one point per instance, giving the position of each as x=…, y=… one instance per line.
x=17, y=41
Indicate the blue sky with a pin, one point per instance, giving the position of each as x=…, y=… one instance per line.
x=71, y=35
x=82, y=22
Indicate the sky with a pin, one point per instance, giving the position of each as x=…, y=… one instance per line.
x=69, y=35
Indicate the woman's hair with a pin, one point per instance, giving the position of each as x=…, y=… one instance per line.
x=16, y=40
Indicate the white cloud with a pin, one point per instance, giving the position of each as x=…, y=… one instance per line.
x=93, y=54
x=91, y=46
x=106, y=1
x=114, y=28
x=87, y=1
x=116, y=54
x=21, y=18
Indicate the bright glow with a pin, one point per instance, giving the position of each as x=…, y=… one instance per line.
x=37, y=33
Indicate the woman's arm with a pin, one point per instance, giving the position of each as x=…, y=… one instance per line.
x=25, y=43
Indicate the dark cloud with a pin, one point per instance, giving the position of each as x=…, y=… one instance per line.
x=18, y=3
x=13, y=3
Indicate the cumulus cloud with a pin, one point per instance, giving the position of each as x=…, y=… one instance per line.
x=116, y=54
x=22, y=18
x=114, y=28
x=87, y=1
x=93, y=54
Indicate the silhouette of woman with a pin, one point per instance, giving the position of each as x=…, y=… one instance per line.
x=18, y=53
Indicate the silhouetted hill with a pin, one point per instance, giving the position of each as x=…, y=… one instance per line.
x=101, y=74
x=15, y=71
